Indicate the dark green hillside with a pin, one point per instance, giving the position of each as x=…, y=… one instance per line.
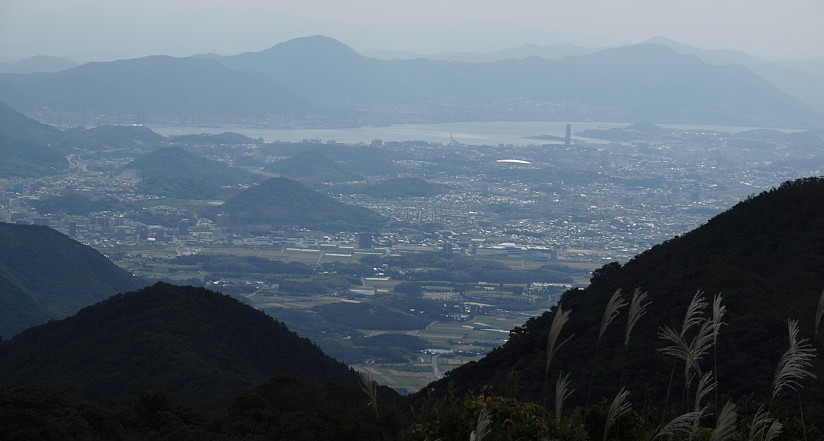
x=201, y=347
x=225, y=138
x=398, y=188
x=16, y=126
x=765, y=256
x=356, y=159
x=176, y=173
x=76, y=204
x=313, y=167
x=103, y=137
x=26, y=146
x=45, y=275
x=281, y=201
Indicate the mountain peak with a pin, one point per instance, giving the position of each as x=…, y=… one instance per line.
x=674, y=45
x=319, y=46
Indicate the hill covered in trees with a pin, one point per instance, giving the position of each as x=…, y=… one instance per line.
x=25, y=146
x=46, y=275
x=762, y=258
x=312, y=167
x=176, y=173
x=32, y=149
x=201, y=347
x=284, y=202
x=396, y=188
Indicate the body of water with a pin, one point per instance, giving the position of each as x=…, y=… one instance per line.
x=470, y=133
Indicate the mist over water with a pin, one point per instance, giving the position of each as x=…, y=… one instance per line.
x=469, y=133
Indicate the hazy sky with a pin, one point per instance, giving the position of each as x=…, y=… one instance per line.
x=87, y=30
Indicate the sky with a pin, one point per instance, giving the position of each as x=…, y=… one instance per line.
x=98, y=30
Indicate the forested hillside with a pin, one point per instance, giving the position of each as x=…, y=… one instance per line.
x=46, y=275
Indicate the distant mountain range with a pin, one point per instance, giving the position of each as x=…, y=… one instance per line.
x=39, y=63
x=763, y=257
x=152, y=88
x=549, y=52
x=804, y=80
x=45, y=275
x=647, y=82
x=320, y=81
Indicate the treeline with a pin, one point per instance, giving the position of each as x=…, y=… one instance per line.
x=237, y=266
x=280, y=409
x=370, y=316
x=462, y=269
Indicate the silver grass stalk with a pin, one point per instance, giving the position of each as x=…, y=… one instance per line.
x=690, y=352
x=725, y=426
x=701, y=344
x=819, y=312
x=369, y=387
x=718, y=312
x=552, y=345
x=794, y=364
x=685, y=423
x=618, y=407
x=481, y=427
x=679, y=348
x=614, y=305
x=689, y=422
x=775, y=429
x=695, y=312
x=636, y=310
x=705, y=385
x=762, y=422
x=562, y=392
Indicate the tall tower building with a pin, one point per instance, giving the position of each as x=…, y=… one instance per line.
x=568, y=138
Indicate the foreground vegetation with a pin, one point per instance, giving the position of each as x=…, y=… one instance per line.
x=699, y=414
x=293, y=409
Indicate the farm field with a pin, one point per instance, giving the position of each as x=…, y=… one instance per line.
x=464, y=342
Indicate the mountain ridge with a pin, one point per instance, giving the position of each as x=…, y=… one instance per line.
x=320, y=81
x=683, y=82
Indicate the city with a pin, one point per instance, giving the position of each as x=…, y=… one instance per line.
x=595, y=200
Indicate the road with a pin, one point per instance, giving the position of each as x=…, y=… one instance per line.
x=436, y=370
